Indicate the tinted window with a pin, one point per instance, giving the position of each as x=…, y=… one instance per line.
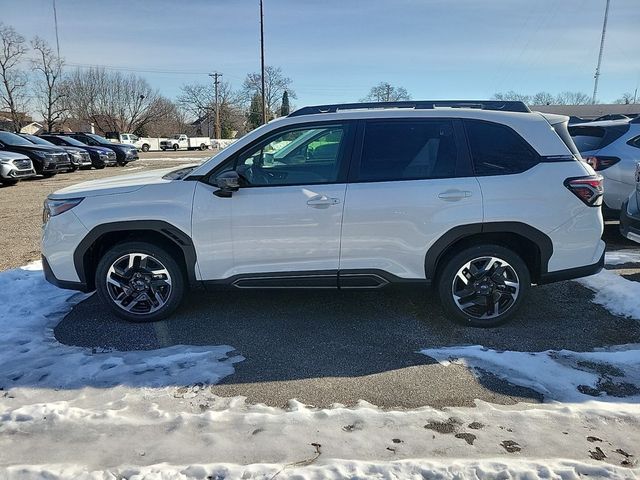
x=9, y=138
x=498, y=150
x=294, y=157
x=408, y=150
x=587, y=137
x=635, y=142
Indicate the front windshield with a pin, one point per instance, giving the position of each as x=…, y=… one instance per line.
x=72, y=141
x=38, y=140
x=12, y=139
x=180, y=173
x=99, y=139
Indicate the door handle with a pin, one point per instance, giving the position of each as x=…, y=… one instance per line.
x=322, y=201
x=454, y=195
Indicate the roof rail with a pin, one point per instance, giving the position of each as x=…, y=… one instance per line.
x=499, y=105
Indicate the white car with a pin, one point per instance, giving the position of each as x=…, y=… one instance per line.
x=612, y=148
x=479, y=199
x=14, y=167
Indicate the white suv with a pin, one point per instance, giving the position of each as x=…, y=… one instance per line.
x=479, y=198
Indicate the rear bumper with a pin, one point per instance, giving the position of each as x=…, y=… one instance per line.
x=630, y=222
x=571, y=273
x=51, y=278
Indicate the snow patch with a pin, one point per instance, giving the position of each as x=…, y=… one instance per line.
x=564, y=375
x=620, y=257
x=31, y=356
x=615, y=293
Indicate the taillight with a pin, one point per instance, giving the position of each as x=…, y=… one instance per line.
x=588, y=189
x=599, y=163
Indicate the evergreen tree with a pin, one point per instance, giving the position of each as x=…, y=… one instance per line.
x=255, y=112
x=285, y=109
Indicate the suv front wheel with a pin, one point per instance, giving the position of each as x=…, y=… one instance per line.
x=139, y=281
x=483, y=286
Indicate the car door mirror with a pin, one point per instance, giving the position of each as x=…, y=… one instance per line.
x=227, y=182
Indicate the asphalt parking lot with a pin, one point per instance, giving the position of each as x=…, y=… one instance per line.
x=325, y=347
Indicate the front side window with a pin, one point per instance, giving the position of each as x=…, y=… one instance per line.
x=498, y=150
x=294, y=157
x=407, y=150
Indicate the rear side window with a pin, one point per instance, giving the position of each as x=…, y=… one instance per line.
x=634, y=142
x=498, y=150
x=407, y=150
x=587, y=137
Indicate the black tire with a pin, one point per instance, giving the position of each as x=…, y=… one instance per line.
x=175, y=147
x=486, y=286
x=8, y=182
x=49, y=174
x=99, y=167
x=145, y=148
x=203, y=147
x=174, y=293
x=122, y=164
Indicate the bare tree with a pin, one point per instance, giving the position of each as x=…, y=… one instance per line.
x=276, y=83
x=573, y=98
x=543, y=98
x=48, y=93
x=627, y=98
x=512, y=96
x=385, y=92
x=174, y=121
x=13, y=94
x=112, y=101
x=198, y=100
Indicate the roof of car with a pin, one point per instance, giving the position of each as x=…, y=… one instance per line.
x=602, y=123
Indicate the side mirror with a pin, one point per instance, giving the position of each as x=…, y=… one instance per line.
x=227, y=182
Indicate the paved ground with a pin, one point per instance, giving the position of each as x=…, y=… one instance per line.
x=323, y=347
x=21, y=205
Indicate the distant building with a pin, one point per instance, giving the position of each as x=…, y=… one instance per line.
x=590, y=112
x=33, y=128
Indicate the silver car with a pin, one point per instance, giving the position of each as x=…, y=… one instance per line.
x=612, y=148
x=14, y=167
x=630, y=214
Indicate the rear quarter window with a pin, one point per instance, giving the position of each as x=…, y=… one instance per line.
x=498, y=150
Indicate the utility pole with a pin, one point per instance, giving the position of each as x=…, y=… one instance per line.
x=55, y=21
x=597, y=75
x=216, y=81
x=264, y=102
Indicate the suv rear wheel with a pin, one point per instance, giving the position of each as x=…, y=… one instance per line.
x=139, y=281
x=483, y=286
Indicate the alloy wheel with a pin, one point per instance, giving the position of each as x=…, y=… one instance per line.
x=138, y=283
x=485, y=287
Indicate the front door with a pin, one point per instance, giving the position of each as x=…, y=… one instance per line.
x=286, y=217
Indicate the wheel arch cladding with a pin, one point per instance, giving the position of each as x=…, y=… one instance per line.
x=101, y=238
x=532, y=245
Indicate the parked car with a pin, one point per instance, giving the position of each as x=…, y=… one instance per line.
x=480, y=201
x=14, y=167
x=117, y=137
x=47, y=160
x=78, y=157
x=630, y=213
x=124, y=153
x=100, y=156
x=178, y=142
x=612, y=148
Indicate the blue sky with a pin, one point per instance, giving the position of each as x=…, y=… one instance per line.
x=335, y=50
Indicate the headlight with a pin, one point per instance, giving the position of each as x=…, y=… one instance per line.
x=56, y=207
x=39, y=154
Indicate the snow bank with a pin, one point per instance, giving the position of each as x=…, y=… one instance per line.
x=620, y=257
x=30, y=355
x=562, y=375
x=410, y=469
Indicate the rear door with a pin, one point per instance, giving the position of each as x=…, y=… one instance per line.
x=410, y=182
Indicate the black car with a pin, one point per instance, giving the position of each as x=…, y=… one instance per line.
x=124, y=153
x=47, y=160
x=100, y=156
x=77, y=156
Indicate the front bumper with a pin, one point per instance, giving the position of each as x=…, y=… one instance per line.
x=630, y=219
x=51, y=278
x=10, y=172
